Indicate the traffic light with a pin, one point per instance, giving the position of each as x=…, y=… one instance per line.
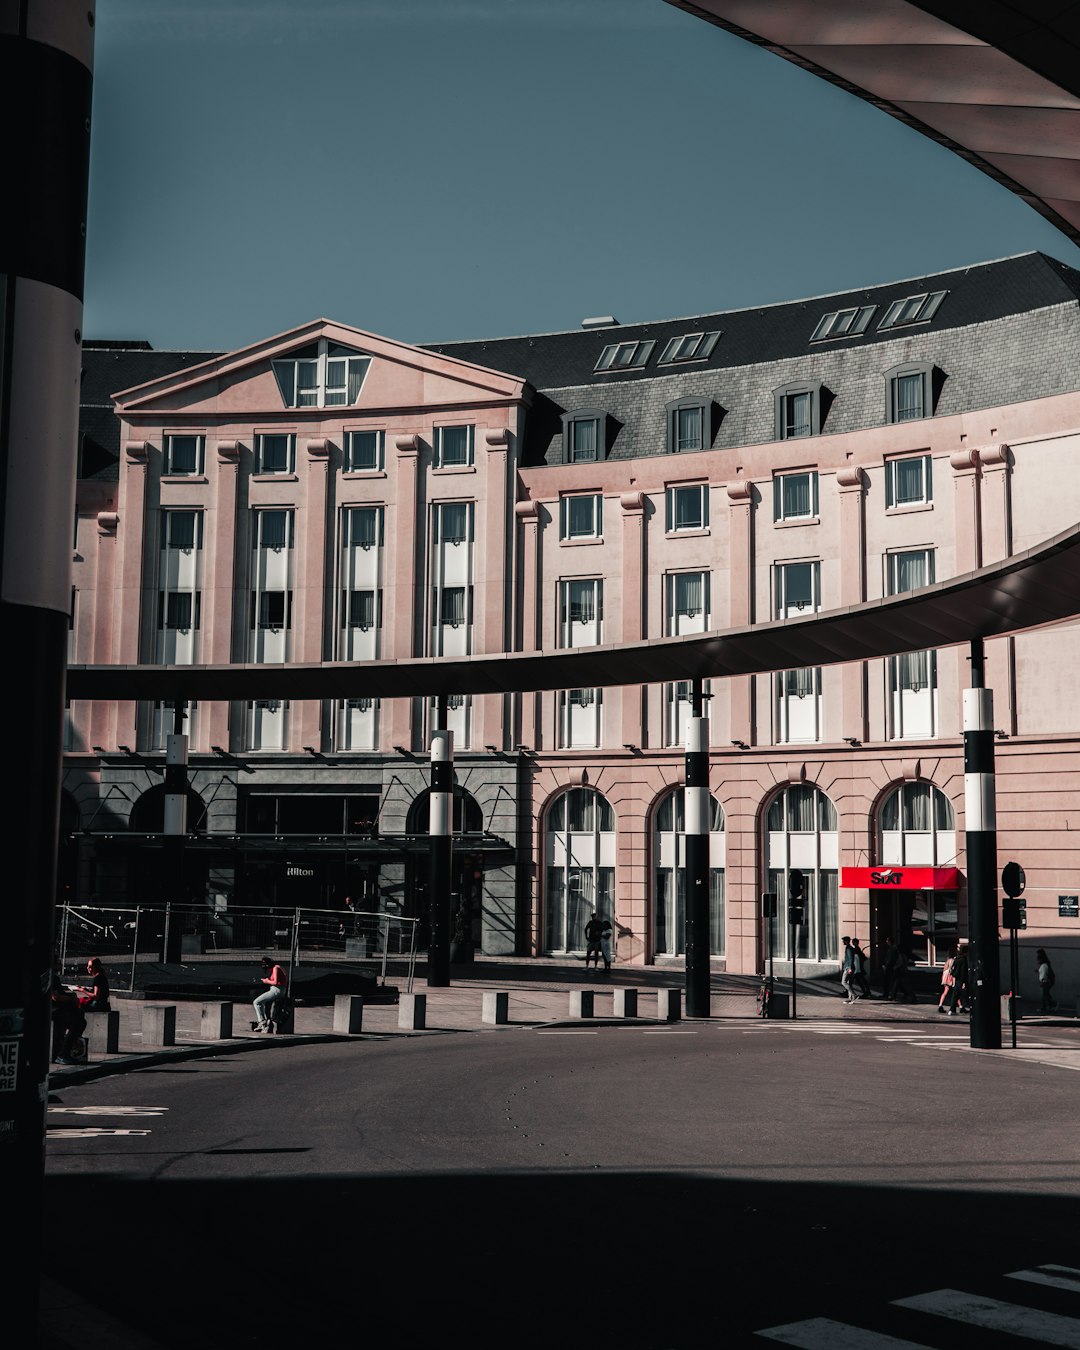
x=796, y=886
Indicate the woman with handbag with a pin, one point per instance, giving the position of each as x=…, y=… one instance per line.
x=948, y=981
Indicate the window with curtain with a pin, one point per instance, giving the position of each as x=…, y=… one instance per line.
x=581, y=516
x=688, y=593
x=363, y=451
x=669, y=876
x=689, y=424
x=580, y=824
x=274, y=453
x=908, y=481
x=801, y=831
x=453, y=607
x=583, y=441
x=452, y=522
x=910, y=391
x=580, y=601
x=183, y=529
x=687, y=507
x=361, y=609
x=797, y=420
x=795, y=496
x=274, y=529
x=183, y=455
x=321, y=375
x=363, y=526
x=454, y=446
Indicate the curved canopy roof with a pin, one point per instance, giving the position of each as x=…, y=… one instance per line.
x=1037, y=587
x=996, y=81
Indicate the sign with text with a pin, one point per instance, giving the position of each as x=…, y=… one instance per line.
x=901, y=878
x=1069, y=906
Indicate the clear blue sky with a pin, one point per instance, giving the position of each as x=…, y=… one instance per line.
x=442, y=169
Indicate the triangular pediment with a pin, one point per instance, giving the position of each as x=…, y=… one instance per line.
x=320, y=368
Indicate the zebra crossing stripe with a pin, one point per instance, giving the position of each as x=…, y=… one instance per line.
x=822, y=1333
x=1044, y=1327
x=1057, y=1277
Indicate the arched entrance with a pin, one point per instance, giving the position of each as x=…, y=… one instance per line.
x=579, y=877
x=669, y=876
x=467, y=874
x=916, y=830
x=800, y=831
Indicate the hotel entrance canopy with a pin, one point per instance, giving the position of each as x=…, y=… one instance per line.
x=1037, y=587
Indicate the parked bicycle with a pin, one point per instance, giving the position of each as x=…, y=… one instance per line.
x=764, y=996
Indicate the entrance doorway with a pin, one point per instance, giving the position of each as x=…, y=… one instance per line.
x=924, y=924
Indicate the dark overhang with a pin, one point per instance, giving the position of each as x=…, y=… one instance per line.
x=995, y=81
x=1040, y=586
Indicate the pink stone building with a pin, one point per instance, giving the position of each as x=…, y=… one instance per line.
x=329, y=494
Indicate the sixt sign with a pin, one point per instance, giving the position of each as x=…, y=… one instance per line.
x=886, y=878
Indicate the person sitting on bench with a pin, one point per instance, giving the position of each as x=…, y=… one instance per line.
x=68, y=1019
x=94, y=997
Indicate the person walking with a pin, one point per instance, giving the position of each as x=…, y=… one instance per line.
x=895, y=966
x=274, y=978
x=1046, y=980
x=959, y=973
x=847, y=971
x=861, y=965
x=594, y=932
x=948, y=981
x=605, y=943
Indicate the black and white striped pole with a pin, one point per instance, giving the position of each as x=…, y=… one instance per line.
x=696, y=837
x=46, y=62
x=440, y=843
x=175, y=831
x=980, y=809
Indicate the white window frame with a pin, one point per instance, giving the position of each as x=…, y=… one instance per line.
x=912, y=309
x=261, y=439
x=618, y=356
x=842, y=323
x=689, y=347
x=441, y=461
x=669, y=862
x=320, y=393
x=379, y=438
x=567, y=533
x=893, y=472
x=673, y=495
x=780, y=513
x=169, y=469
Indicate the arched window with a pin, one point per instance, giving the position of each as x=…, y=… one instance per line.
x=468, y=818
x=580, y=875
x=669, y=872
x=800, y=832
x=148, y=813
x=917, y=828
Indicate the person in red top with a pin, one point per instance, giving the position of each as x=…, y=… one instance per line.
x=94, y=997
x=274, y=978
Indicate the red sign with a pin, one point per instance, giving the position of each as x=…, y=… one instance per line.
x=900, y=878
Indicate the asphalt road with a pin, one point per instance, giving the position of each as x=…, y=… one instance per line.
x=654, y=1188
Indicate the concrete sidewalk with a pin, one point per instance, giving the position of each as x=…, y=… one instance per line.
x=539, y=994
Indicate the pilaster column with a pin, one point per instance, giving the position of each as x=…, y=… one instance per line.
x=130, y=610
x=406, y=544
x=311, y=645
x=102, y=712
x=633, y=607
x=493, y=608
x=223, y=613
x=527, y=515
x=851, y=487
x=995, y=463
x=741, y=585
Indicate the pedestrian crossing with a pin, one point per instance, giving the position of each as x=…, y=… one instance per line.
x=949, y=1306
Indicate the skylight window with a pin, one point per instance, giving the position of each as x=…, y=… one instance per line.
x=691, y=347
x=844, y=323
x=915, y=309
x=324, y=375
x=625, y=356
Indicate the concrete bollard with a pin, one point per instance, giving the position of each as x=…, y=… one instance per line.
x=216, y=1022
x=625, y=1002
x=581, y=1002
x=412, y=1011
x=348, y=1014
x=158, y=1026
x=496, y=1008
x=103, y=1032
x=669, y=1005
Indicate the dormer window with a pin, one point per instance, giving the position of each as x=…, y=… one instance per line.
x=690, y=347
x=625, y=356
x=584, y=436
x=322, y=375
x=689, y=425
x=914, y=309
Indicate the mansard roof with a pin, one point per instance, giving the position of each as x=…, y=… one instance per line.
x=979, y=293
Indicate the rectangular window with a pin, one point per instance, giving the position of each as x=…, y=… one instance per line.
x=271, y=609
x=363, y=451
x=798, y=589
x=912, y=675
x=690, y=347
x=687, y=507
x=581, y=602
x=688, y=592
x=581, y=517
x=909, y=397
x=273, y=529
x=274, y=453
x=453, y=446
x=363, y=526
x=909, y=570
x=361, y=609
x=584, y=440
x=795, y=496
x=453, y=522
x=454, y=606
x=183, y=530
x=908, y=481
x=183, y=456
x=178, y=610
x=797, y=411
x=688, y=428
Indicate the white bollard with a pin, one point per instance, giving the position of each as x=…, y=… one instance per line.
x=348, y=1014
x=158, y=1026
x=581, y=1002
x=412, y=1011
x=216, y=1022
x=626, y=1002
x=669, y=1005
x=496, y=1008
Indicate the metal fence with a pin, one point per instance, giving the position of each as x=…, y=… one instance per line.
x=123, y=938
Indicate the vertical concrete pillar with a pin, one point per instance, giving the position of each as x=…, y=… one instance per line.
x=216, y=1022
x=493, y=604
x=440, y=846
x=174, y=831
x=310, y=645
x=741, y=580
x=850, y=484
x=406, y=534
x=496, y=1007
x=626, y=1002
x=634, y=586
x=980, y=827
x=348, y=1014
x=412, y=1012
x=698, y=962
x=528, y=516
x=581, y=1002
x=230, y=533
x=158, y=1026
x=46, y=59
